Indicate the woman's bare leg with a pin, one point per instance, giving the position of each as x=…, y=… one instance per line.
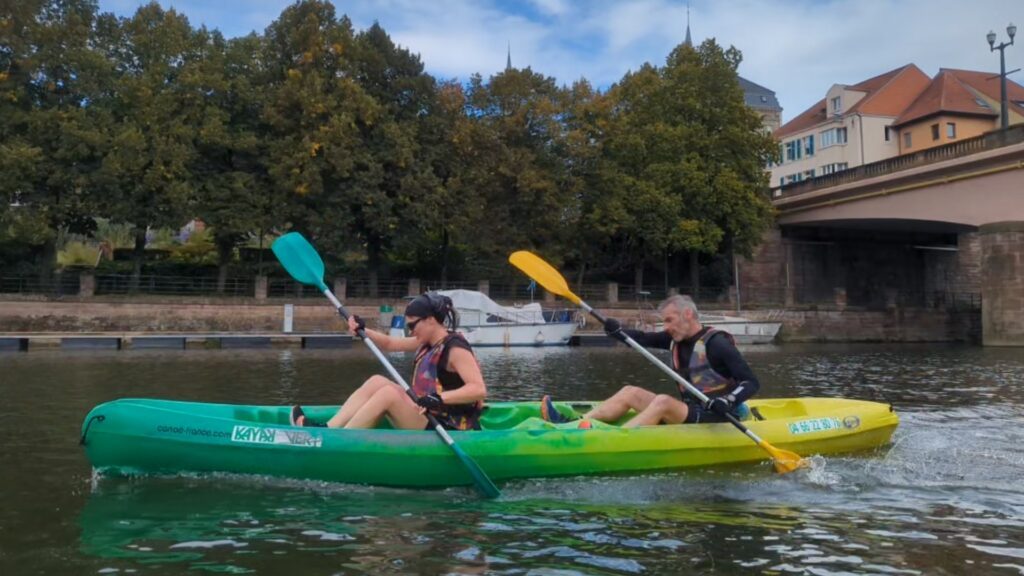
x=393, y=402
x=356, y=400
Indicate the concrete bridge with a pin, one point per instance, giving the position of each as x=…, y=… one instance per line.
x=939, y=224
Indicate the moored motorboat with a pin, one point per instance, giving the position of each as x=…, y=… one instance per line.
x=484, y=322
x=162, y=436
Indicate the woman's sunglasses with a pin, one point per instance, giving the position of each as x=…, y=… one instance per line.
x=412, y=325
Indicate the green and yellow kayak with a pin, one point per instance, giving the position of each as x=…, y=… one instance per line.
x=134, y=436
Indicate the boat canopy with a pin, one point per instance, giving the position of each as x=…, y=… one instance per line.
x=476, y=308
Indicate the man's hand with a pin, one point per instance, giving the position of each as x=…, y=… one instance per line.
x=721, y=405
x=612, y=327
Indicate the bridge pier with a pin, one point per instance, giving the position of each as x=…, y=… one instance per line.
x=1002, y=287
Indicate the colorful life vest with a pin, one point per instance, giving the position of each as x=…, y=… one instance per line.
x=426, y=380
x=702, y=375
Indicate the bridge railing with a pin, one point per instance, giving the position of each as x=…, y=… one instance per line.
x=988, y=141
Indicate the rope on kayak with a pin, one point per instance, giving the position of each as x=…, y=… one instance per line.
x=96, y=418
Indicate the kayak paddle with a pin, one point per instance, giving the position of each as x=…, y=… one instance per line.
x=545, y=274
x=304, y=264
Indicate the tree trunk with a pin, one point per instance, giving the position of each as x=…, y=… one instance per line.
x=579, y=277
x=444, y=256
x=259, y=257
x=694, y=275
x=666, y=273
x=138, y=256
x=47, y=261
x=373, y=257
x=225, y=250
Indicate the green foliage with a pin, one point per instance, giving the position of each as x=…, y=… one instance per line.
x=682, y=161
x=114, y=126
x=199, y=249
x=77, y=253
x=112, y=235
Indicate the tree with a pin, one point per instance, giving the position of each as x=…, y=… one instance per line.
x=390, y=195
x=443, y=227
x=315, y=112
x=233, y=192
x=51, y=142
x=156, y=106
x=683, y=162
x=588, y=119
x=529, y=201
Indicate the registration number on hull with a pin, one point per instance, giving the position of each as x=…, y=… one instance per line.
x=815, y=425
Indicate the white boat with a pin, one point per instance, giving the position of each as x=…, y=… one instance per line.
x=484, y=322
x=744, y=330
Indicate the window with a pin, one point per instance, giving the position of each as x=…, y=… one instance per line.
x=950, y=130
x=888, y=133
x=935, y=131
x=794, y=150
x=833, y=137
x=837, y=104
x=832, y=168
x=809, y=146
x=907, y=143
x=808, y=174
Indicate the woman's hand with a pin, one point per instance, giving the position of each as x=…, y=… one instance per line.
x=430, y=402
x=355, y=324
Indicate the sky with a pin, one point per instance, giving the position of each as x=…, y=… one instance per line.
x=798, y=48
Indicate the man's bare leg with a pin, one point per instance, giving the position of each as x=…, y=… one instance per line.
x=663, y=409
x=626, y=399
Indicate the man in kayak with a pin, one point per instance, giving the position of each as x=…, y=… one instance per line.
x=706, y=357
x=446, y=378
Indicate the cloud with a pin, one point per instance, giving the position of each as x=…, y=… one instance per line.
x=798, y=48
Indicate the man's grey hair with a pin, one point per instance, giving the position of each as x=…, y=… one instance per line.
x=680, y=303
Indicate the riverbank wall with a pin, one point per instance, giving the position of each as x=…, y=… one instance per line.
x=177, y=315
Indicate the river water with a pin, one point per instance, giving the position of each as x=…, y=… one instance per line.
x=945, y=498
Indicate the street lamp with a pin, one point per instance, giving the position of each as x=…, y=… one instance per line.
x=1011, y=30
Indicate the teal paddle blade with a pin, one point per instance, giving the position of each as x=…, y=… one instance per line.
x=480, y=479
x=300, y=259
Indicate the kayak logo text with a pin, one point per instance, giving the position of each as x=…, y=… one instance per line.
x=261, y=435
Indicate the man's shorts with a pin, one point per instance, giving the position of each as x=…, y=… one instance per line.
x=697, y=414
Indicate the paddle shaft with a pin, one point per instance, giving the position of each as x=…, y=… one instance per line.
x=668, y=370
x=387, y=366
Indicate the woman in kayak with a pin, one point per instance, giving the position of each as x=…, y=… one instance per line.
x=446, y=378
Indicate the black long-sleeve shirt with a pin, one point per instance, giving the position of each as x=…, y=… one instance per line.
x=722, y=355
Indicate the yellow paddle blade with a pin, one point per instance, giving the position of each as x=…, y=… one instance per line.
x=545, y=274
x=784, y=460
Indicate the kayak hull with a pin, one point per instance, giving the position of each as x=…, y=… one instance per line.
x=147, y=436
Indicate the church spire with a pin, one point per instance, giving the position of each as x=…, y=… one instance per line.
x=508, y=60
x=688, y=41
